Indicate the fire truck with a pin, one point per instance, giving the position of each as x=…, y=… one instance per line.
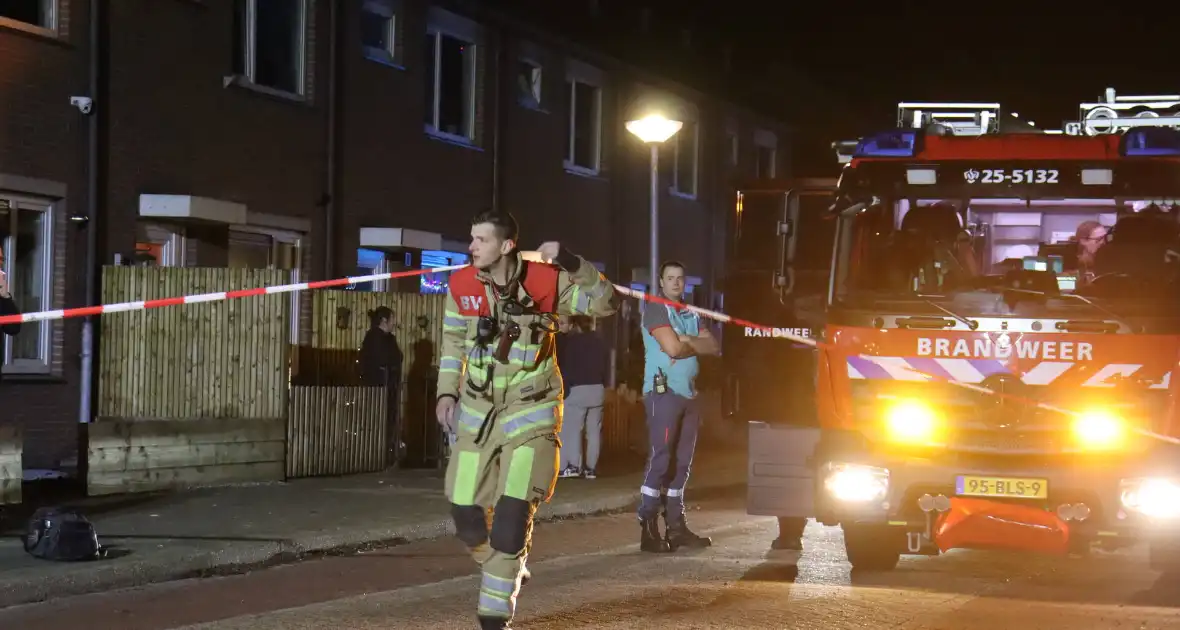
x=994, y=315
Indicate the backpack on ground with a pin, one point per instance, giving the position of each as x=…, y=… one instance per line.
x=62, y=534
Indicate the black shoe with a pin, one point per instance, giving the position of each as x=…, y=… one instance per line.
x=650, y=540
x=494, y=623
x=681, y=536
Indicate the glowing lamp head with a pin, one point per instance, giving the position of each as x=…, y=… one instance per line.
x=911, y=421
x=654, y=128
x=1099, y=430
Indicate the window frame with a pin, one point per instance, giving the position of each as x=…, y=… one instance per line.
x=580, y=73
x=391, y=55
x=764, y=139
x=43, y=365
x=443, y=23
x=537, y=89
x=250, y=51
x=675, y=188
x=54, y=20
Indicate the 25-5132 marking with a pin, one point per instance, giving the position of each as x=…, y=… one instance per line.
x=1012, y=176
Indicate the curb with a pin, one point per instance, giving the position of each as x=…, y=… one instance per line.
x=241, y=558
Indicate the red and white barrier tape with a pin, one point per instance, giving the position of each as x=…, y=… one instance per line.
x=340, y=282
x=212, y=297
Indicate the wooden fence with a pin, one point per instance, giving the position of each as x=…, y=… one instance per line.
x=11, y=467
x=330, y=410
x=193, y=394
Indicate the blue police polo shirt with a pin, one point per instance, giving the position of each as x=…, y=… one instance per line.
x=681, y=373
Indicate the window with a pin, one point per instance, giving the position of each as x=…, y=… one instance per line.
x=160, y=245
x=528, y=84
x=38, y=13
x=26, y=235
x=450, y=86
x=379, y=31
x=269, y=46
x=765, y=165
x=584, y=127
x=734, y=149
x=684, y=177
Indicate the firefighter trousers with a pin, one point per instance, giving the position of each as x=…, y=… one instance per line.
x=495, y=488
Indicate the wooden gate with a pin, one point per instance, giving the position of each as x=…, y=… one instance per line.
x=337, y=425
x=11, y=467
x=191, y=394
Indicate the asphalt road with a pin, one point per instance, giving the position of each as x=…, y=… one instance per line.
x=588, y=573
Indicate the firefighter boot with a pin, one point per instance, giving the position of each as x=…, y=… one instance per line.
x=679, y=535
x=494, y=623
x=650, y=540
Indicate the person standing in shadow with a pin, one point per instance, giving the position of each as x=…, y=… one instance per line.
x=584, y=360
x=381, y=366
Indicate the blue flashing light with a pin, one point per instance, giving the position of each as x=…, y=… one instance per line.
x=888, y=144
x=1151, y=141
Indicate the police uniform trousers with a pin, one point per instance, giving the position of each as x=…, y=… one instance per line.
x=495, y=486
x=673, y=423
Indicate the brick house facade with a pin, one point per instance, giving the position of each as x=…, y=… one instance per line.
x=234, y=134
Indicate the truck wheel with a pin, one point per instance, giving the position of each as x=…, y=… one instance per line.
x=1165, y=558
x=873, y=547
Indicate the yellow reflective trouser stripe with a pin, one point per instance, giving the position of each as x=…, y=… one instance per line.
x=520, y=473
x=454, y=322
x=450, y=364
x=466, y=474
x=495, y=596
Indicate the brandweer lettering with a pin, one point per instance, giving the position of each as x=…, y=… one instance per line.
x=778, y=332
x=987, y=349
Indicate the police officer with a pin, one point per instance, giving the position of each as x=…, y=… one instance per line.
x=673, y=337
x=499, y=392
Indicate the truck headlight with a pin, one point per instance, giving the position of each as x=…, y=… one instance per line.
x=856, y=483
x=911, y=422
x=1099, y=429
x=1152, y=496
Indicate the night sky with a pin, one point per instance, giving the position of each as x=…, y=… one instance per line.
x=1038, y=58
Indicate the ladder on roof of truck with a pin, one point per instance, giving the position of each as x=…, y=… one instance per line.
x=963, y=119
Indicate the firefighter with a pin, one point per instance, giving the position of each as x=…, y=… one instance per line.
x=499, y=392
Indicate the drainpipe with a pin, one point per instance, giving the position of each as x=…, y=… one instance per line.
x=98, y=103
x=497, y=106
x=330, y=175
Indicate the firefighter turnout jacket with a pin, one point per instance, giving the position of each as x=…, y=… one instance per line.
x=498, y=352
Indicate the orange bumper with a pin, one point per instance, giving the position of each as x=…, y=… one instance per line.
x=980, y=523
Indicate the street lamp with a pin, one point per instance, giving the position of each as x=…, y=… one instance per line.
x=655, y=131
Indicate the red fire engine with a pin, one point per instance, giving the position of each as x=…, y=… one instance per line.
x=997, y=317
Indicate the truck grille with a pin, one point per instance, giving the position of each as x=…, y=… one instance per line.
x=979, y=422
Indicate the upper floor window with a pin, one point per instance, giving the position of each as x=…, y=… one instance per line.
x=379, y=31
x=270, y=43
x=686, y=144
x=451, y=73
x=41, y=14
x=528, y=83
x=583, y=146
x=765, y=166
x=26, y=257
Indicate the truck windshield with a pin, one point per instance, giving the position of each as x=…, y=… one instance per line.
x=957, y=253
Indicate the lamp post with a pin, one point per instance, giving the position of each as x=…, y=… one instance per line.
x=655, y=131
